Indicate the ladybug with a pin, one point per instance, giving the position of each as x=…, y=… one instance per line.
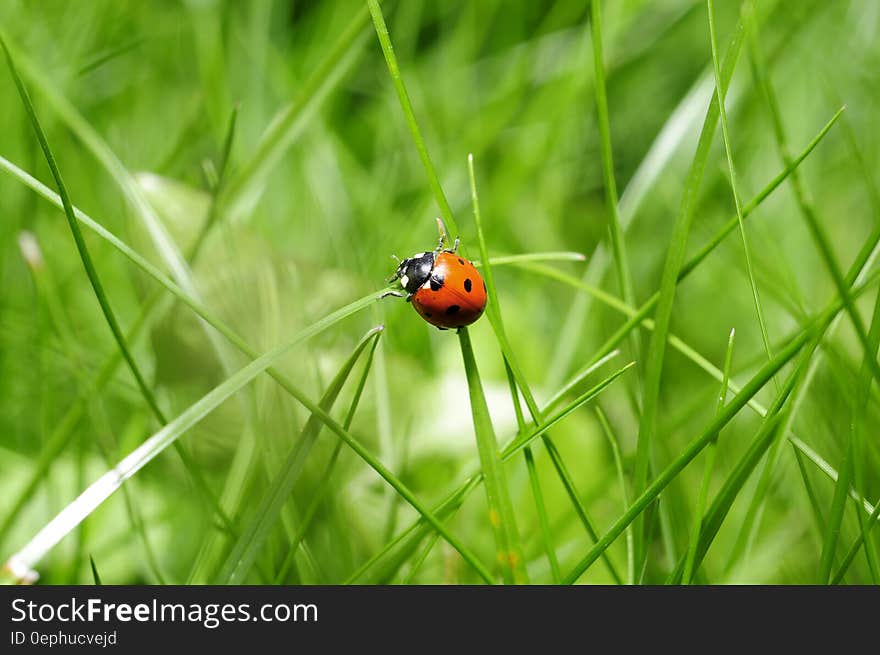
x=445, y=289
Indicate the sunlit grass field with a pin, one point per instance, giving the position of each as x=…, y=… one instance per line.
x=676, y=379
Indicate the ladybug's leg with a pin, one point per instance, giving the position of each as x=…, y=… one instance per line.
x=396, y=294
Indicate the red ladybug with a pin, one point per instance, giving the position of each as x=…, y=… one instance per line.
x=445, y=289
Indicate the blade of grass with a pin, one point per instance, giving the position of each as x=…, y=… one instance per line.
x=618, y=244
x=734, y=184
x=534, y=481
x=324, y=485
x=118, y=172
x=671, y=269
x=533, y=257
x=62, y=327
x=818, y=517
x=409, y=114
x=420, y=559
x=761, y=75
x=712, y=449
x=501, y=517
x=266, y=516
x=95, y=576
x=621, y=478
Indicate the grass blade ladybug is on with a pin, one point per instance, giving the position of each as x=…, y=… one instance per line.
x=444, y=288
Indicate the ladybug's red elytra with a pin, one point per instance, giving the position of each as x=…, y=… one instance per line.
x=445, y=289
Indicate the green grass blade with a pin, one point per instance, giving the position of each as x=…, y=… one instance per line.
x=501, y=517
x=64, y=428
x=671, y=268
x=534, y=482
x=517, y=445
x=410, y=116
x=219, y=186
x=712, y=449
x=624, y=494
x=264, y=518
x=533, y=257
x=618, y=245
x=420, y=559
x=734, y=184
x=822, y=242
x=95, y=576
x=782, y=176
x=576, y=382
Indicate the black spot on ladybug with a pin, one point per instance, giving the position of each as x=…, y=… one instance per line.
x=436, y=284
x=452, y=309
x=461, y=261
x=427, y=314
x=467, y=285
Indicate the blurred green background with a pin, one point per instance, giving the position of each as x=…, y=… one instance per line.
x=343, y=188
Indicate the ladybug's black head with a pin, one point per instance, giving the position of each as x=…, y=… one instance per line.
x=415, y=271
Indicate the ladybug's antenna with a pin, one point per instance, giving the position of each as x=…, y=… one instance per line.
x=395, y=258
